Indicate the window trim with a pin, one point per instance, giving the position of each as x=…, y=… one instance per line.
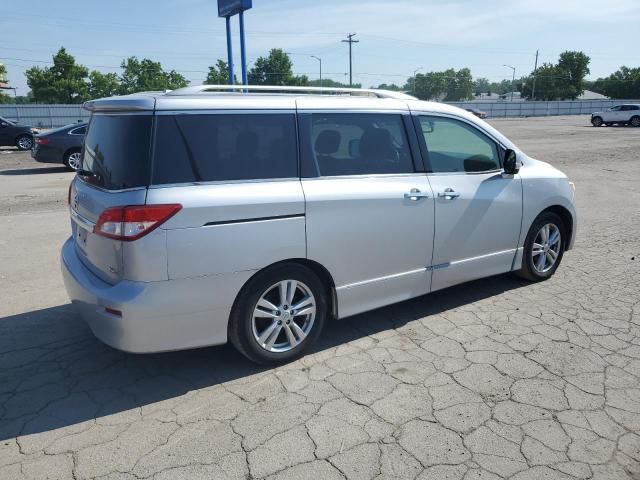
x=309, y=168
x=72, y=131
x=425, y=152
x=174, y=113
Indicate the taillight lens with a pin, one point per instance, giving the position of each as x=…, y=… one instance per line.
x=132, y=222
x=42, y=140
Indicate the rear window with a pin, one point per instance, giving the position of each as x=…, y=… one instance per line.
x=117, y=150
x=224, y=147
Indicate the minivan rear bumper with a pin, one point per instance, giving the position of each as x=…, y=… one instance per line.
x=156, y=316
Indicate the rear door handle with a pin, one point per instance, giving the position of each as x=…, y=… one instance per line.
x=415, y=195
x=448, y=194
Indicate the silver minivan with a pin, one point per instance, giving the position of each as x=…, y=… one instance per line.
x=254, y=214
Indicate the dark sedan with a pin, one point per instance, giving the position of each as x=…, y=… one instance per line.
x=62, y=145
x=13, y=133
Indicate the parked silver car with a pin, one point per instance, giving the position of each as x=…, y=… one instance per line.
x=204, y=215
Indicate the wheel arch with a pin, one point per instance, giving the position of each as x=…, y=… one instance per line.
x=567, y=220
x=323, y=274
x=70, y=150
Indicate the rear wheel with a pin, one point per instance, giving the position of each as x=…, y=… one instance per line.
x=278, y=314
x=543, y=248
x=596, y=121
x=24, y=142
x=635, y=121
x=72, y=160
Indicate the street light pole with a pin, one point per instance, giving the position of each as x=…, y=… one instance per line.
x=319, y=60
x=513, y=79
x=414, y=78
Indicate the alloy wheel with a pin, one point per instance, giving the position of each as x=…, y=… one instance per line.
x=546, y=248
x=283, y=316
x=73, y=161
x=25, y=143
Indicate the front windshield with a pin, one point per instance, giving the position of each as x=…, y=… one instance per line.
x=2, y=119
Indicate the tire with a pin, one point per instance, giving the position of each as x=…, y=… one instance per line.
x=533, y=268
x=261, y=338
x=596, y=121
x=72, y=160
x=635, y=121
x=24, y=142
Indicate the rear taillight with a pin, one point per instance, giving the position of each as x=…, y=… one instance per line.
x=133, y=222
x=42, y=140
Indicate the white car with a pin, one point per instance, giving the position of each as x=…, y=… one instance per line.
x=627, y=114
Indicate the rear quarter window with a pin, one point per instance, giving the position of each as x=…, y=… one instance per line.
x=224, y=147
x=117, y=150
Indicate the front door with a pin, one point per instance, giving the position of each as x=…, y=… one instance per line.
x=478, y=209
x=369, y=213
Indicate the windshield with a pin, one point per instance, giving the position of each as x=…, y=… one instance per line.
x=2, y=119
x=117, y=151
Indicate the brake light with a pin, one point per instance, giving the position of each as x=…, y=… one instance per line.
x=132, y=222
x=42, y=140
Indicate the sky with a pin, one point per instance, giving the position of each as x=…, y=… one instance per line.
x=396, y=37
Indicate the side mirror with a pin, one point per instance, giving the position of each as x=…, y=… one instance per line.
x=511, y=163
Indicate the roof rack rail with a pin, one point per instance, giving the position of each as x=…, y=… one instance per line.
x=244, y=89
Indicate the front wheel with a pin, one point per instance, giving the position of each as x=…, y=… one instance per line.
x=24, y=142
x=596, y=121
x=278, y=314
x=543, y=248
x=635, y=121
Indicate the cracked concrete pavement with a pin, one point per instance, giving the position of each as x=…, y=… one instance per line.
x=494, y=379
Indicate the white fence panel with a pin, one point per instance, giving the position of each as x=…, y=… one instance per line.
x=506, y=108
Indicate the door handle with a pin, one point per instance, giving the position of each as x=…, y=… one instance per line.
x=448, y=194
x=415, y=195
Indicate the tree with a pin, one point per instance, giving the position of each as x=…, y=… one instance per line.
x=624, y=83
x=64, y=82
x=219, y=74
x=327, y=82
x=103, y=84
x=482, y=85
x=564, y=80
x=449, y=85
x=145, y=75
x=276, y=69
x=391, y=86
x=4, y=98
x=574, y=66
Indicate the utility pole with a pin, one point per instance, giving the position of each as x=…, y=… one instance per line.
x=533, y=88
x=350, y=41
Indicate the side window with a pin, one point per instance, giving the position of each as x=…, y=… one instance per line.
x=455, y=146
x=222, y=147
x=79, y=131
x=616, y=108
x=359, y=144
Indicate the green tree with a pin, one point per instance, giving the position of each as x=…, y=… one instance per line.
x=103, y=84
x=450, y=85
x=327, y=82
x=64, y=82
x=390, y=86
x=219, y=74
x=4, y=98
x=147, y=75
x=276, y=69
x=624, y=83
x=482, y=85
x=574, y=66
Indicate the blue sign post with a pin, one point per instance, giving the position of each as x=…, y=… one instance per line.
x=227, y=9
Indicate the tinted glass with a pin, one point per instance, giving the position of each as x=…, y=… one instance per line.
x=455, y=146
x=79, y=131
x=221, y=147
x=117, y=150
x=359, y=143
